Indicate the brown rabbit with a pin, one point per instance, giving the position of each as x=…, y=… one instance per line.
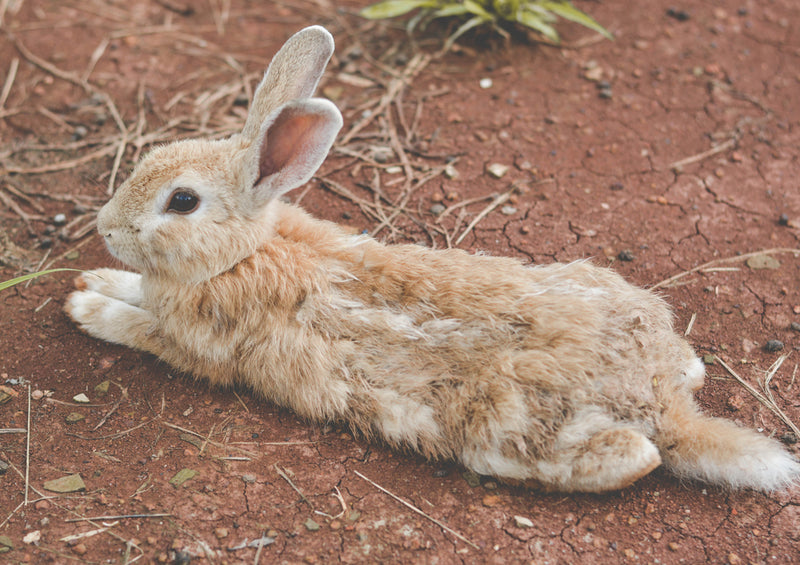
x=562, y=375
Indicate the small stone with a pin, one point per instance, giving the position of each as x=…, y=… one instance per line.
x=594, y=74
x=335, y=525
x=508, y=210
x=606, y=93
x=79, y=549
x=32, y=537
x=523, y=522
x=490, y=500
x=783, y=220
x=102, y=389
x=73, y=417
x=472, y=478
x=437, y=197
x=626, y=255
x=680, y=15
x=70, y=483
x=79, y=133
x=60, y=219
x=735, y=403
x=656, y=535
x=773, y=345
x=311, y=525
x=616, y=186
x=485, y=83
x=734, y=559
x=394, y=170
x=221, y=533
x=629, y=553
x=437, y=209
x=708, y=359
x=37, y=395
x=4, y=466
x=450, y=171
x=82, y=398
x=497, y=170
x=673, y=546
x=795, y=326
x=248, y=478
x=524, y=230
x=736, y=157
x=452, y=196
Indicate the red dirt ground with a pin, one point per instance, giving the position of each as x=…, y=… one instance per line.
x=594, y=164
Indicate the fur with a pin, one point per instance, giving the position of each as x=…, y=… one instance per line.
x=563, y=375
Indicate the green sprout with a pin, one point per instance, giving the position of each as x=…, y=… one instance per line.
x=538, y=15
x=9, y=283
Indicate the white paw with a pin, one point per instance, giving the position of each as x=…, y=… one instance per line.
x=107, y=318
x=122, y=285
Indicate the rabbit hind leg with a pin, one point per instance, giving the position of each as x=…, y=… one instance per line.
x=609, y=460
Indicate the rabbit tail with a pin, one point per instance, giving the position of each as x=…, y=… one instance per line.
x=718, y=451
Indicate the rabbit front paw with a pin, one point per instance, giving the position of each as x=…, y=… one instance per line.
x=110, y=319
x=122, y=285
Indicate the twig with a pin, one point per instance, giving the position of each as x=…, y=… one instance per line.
x=690, y=325
x=483, y=213
x=124, y=432
x=246, y=409
x=214, y=443
x=260, y=547
x=13, y=431
x=737, y=258
x=418, y=511
x=113, y=409
x=118, y=517
x=28, y=449
x=12, y=74
x=286, y=478
x=704, y=155
x=770, y=404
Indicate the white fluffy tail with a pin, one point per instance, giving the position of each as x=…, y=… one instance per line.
x=718, y=451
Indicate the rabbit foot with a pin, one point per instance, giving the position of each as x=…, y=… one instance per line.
x=609, y=460
x=121, y=285
x=110, y=319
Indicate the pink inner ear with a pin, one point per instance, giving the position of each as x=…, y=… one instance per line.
x=285, y=141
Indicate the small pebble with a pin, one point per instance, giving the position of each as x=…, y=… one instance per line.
x=735, y=403
x=79, y=133
x=60, y=219
x=625, y=255
x=450, y=171
x=525, y=230
x=82, y=398
x=79, y=549
x=221, y=533
x=680, y=15
x=523, y=522
x=673, y=546
x=734, y=559
x=311, y=525
x=783, y=220
x=248, y=478
x=796, y=326
x=497, y=170
x=37, y=394
x=508, y=210
x=486, y=83
x=616, y=186
x=606, y=94
x=773, y=345
x=437, y=209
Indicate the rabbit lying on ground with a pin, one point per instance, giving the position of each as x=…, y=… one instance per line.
x=563, y=376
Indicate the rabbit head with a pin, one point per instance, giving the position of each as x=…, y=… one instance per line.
x=194, y=208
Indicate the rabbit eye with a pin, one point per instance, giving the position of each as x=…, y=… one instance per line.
x=183, y=202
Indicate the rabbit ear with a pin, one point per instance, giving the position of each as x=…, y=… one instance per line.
x=293, y=74
x=292, y=144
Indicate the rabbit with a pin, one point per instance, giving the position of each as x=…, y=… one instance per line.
x=562, y=377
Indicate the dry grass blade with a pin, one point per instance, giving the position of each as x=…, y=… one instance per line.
x=768, y=401
x=498, y=200
x=286, y=478
x=12, y=74
x=666, y=283
x=418, y=511
x=214, y=443
x=704, y=155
